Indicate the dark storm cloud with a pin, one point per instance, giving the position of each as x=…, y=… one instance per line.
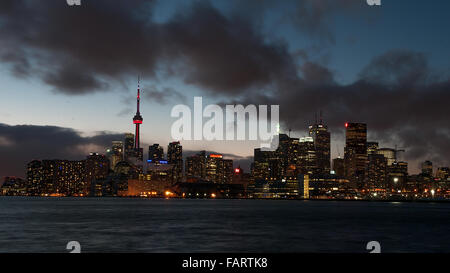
x=74, y=49
x=314, y=17
x=224, y=54
x=23, y=143
x=162, y=96
x=397, y=67
x=79, y=50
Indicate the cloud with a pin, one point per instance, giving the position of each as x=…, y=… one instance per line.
x=152, y=93
x=21, y=144
x=97, y=45
x=314, y=17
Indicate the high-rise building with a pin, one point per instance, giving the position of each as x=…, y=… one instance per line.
x=288, y=150
x=322, y=139
x=268, y=165
x=129, y=146
x=427, y=169
x=376, y=171
x=389, y=154
x=443, y=173
x=372, y=148
x=34, y=177
x=97, y=168
x=307, y=162
x=219, y=170
x=196, y=166
x=338, y=167
x=115, y=153
x=397, y=175
x=175, y=157
x=356, y=153
x=155, y=152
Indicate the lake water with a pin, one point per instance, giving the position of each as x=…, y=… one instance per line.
x=157, y=225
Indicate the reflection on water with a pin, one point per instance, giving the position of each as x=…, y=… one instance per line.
x=157, y=225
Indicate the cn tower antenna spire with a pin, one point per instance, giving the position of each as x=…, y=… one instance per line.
x=137, y=120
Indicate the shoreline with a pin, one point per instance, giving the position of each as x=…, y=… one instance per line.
x=267, y=199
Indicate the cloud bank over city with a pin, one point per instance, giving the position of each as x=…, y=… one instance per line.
x=229, y=55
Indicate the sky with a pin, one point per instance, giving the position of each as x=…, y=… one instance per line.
x=68, y=75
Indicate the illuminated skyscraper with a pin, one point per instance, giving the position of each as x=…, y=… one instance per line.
x=427, y=169
x=97, y=168
x=219, y=170
x=356, y=153
x=376, y=171
x=372, y=147
x=307, y=163
x=128, y=146
x=397, y=175
x=115, y=153
x=338, y=167
x=155, y=152
x=321, y=136
x=196, y=166
x=175, y=157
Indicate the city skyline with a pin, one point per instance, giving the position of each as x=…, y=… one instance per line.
x=338, y=69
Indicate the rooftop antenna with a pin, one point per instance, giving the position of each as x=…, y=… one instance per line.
x=321, y=120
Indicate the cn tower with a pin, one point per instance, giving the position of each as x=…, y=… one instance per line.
x=137, y=119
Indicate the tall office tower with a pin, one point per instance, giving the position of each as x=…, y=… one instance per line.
x=34, y=177
x=260, y=165
x=372, y=148
x=128, y=146
x=288, y=150
x=268, y=165
x=397, y=175
x=356, y=153
x=97, y=168
x=228, y=171
x=322, y=139
x=427, y=169
x=219, y=170
x=307, y=162
x=376, y=171
x=338, y=167
x=155, y=152
x=175, y=157
x=115, y=154
x=196, y=166
x=213, y=165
